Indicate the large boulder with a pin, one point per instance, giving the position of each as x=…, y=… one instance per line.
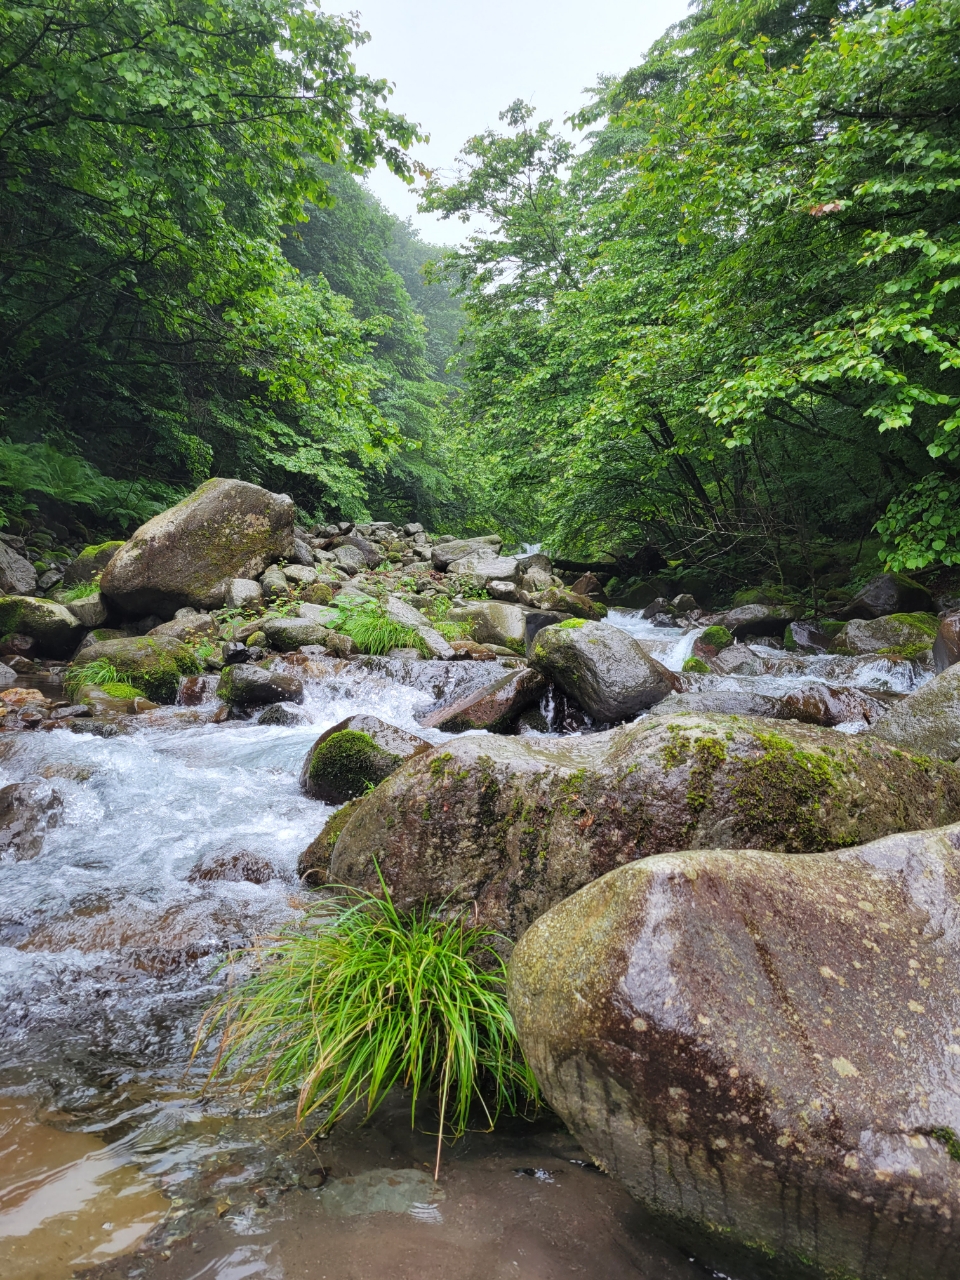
x=190, y=554
x=487, y=568
x=887, y=593
x=494, y=622
x=356, y=753
x=90, y=562
x=18, y=577
x=290, y=633
x=53, y=628
x=246, y=685
x=495, y=707
x=927, y=721
x=515, y=824
x=763, y=1049
x=153, y=664
x=372, y=555
x=445, y=553
x=909, y=634
x=563, y=600
x=809, y=701
x=602, y=668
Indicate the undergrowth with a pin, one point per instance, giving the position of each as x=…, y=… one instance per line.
x=82, y=590
x=373, y=632
x=362, y=997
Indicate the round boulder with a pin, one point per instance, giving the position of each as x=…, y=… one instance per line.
x=354, y=755
x=245, y=685
x=153, y=664
x=53, y=628
x=189, y=555
x=602, y=668
x=762, y=1049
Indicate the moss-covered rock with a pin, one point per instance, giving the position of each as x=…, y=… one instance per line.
x=516, y=824
x=696, y=665
x=562, y=600
x=52, y=626
x=717, y=637
x=904, y=634
x=885, y=594
x=760, y=1048
x=354, y=755
x=313, y=865
x=188, y=556
x=154, y=664
x=90, y=562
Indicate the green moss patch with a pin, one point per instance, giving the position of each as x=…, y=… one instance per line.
x=349, y=763
x=571, y=623
x=780, y=794
x=716, y=637
x=696, y=664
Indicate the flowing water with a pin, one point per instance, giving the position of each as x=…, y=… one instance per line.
x=171, y=844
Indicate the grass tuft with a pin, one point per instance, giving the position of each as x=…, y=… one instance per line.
x=373, y=632
x=361, y=997
x=99, y=672
x=82, y=590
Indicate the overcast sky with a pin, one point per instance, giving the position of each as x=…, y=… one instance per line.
x=457, y=63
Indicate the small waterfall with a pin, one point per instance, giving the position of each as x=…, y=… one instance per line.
x=670, y=645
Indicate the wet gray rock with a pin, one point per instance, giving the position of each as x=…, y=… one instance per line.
x=888, y=593
x=245, y=685
x=369, y=551
x=765, y=1044
x=189, y=555
x=188, y=626
x=300, y=575
x=755, y=620
x=17, y=575
x=484, y=568
x=946, y=645
x=240, y=865
x=494, y=622
x=809, y=702
x=495, y=707
x=927, y=721
x=605, y=670
x=290, y=633
x=273, y=583
x=243, y=593
x=90, y=610
x=397, y=610
x=443, y=554
x=281, y=716
x=350, y=559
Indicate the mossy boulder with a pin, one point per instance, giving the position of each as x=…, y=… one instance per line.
x=907, y=635
x=354, y=755
x=761, y=1049
x=515, y=824
x=155, y=664
x=90, y=562
x=885, y=594
x=562, y=600
x=696, y=665
x=189, y=555
x=53, y=628
x=608, y=673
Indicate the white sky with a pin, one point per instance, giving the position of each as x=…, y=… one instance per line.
x=457, y=63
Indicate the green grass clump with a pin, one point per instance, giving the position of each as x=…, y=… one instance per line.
x=361, y=997
x=373, y=632
x=82, y=590
x=99, y=672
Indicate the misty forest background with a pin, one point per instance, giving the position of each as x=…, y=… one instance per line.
x=714, y=339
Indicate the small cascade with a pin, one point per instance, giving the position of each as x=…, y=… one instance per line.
x=670, y=645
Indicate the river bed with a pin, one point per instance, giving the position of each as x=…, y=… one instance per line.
x=176, y=842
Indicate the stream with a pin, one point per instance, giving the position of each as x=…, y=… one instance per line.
x=176, y=842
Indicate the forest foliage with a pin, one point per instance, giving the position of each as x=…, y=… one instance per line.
x=726, y=324
x=715, y=325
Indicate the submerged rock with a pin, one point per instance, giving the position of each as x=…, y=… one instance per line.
x=762, y=1049
x=28, y=810
x=189, y=555
x=356, y=753
x=495, y=707
x=154, y=664
x=515, y=824
x=608, y=672
x=927, y=721
x=887, y=593
x=53, y=628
